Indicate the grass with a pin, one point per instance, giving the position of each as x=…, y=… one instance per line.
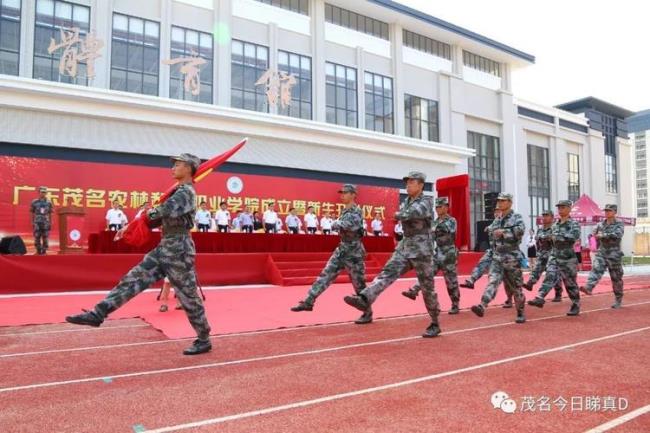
x=638, y=260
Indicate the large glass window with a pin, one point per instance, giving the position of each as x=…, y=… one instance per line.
x=611, y=178
x=300, y=6
x=135, y=55
x=574, y=176
x=481, y=63
x=425, y=44
x=352, y=20
x=421, y=117
x=484, y=171
x=9, y=36
x=249, y=63
x=300, y=67
x=609, y=132
x=341, y=94
x=539, y=182
x=379, y=102
x=186, y=44
x=52, y=17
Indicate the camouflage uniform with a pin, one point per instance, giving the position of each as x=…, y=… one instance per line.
x=173, y=258
x=608, y=257
x=481, y=267
x=41, y=209
x=544, y=247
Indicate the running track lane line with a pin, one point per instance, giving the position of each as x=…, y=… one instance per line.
x=243, y=334
x=85, y=329
x=268, y=357
x=305, y=403
x=620, y=420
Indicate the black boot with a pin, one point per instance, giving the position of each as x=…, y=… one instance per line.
x=537, y=302
x=586, y=291
x=575, y=310
x=89, y=318
x=198, y=347
x=467, y=284
x=411, y=294
x=357, y=301
x=432, y=330
x=479, y=310
x=454, y=309
x=520, y=317
x=303, y=306
x=507, y=304
x=365, y=318
x=617, y=304
x=528, y=286
x=558, y=298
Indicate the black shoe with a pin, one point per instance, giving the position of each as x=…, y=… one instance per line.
x=574, y=311
x=86, y=318
x=507, y=304
x=584, y=290
x=198, y=347
x=528, y=286
x=410, y=294
x=303, y=306
x=357, y=301
x=467, y=284
x=520, y=318
x=454, y=309
x=479, y=310
x=537, y=302
x=365, y=318
x=432, y=330
x=557, y=299
x=616, y=305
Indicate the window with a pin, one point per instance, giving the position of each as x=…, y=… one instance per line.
x=135, y=56
x=574, y=176
x=300, y=6
x=341, y=95
x=352, y=20
x=300, y=67
x=249, y=63
x=539, y=182
x=9, y=36
x=189, y=43
x=610, y=173
x=51, y=17
x=609, y=132
x=484, y=171
x=379, y=103
x=483, y=64
x=428, y=45
x=421, y=118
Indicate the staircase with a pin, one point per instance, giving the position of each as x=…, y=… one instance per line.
x=300, y=269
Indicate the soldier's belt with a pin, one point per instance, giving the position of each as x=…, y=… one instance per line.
x=176, y=231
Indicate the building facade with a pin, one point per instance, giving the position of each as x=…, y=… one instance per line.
x=330, y=90
x=639, y=129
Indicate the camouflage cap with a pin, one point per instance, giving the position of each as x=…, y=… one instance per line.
x=611, y=207
x=42, y=189
x=416, y=175
x=442, y=201
x=568, y=203
x=348, y=187
x=547, y=212
x=504, y=196
x=192, y=160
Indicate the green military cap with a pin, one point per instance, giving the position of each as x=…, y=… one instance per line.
x=42, y=189
x=192, y=160
x=504, y=196
x=416, y=175
x=547, y=212
x=611, y=207
x=442, y=201
x=568, y=203
x=348, y=187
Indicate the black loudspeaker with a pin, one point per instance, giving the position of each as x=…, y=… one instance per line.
x=12, y=245
x=482, y=242
x=489, y=204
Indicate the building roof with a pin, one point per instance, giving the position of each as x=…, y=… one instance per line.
x=639, y=121
x=595, y=104
x=397, y=7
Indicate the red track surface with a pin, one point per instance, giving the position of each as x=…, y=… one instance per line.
x=603, y=352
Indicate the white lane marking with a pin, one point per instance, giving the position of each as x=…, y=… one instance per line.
x=266, y=358
x=389, y=386
x=620, y=420
x=84, y=329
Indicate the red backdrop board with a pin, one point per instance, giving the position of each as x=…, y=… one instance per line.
x=456, y=188
x=92, y=186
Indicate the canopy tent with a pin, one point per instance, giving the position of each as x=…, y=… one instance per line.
x=587, y=213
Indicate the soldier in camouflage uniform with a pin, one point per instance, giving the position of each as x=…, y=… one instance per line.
x=173, y=258
x=445, y=257
x=562, y=263
x=349, y=255
x=544, y=247
x=414, y=251
x=609, y=234
x=41, y=212
x=507, y=231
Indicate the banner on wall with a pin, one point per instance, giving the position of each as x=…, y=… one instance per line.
x=93, y=186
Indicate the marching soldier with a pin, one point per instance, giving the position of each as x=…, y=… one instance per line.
x=41, y=213
x=445, y=254
x=507, y=231
x=350, y=255
x=415, y=251
x=562, y=263
x=609, y=234
x=173, y=258
x=544, y=245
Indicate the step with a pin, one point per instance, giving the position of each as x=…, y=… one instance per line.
x=306, y=281
x=303, y=272
x=311, y=264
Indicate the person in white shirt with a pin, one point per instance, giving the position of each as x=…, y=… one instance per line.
x=377, y=226
x=293, y=222
x=115, y=217
x=399, y=231
x=365, y=227
x=203, y=218
x=278, y=226
x=236, y=222
x=246, y=220
x=271, y=219
x=223, y=218
x=311, y=221
x=326, y=223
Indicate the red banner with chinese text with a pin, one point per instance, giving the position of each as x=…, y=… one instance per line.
x=93, y=186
